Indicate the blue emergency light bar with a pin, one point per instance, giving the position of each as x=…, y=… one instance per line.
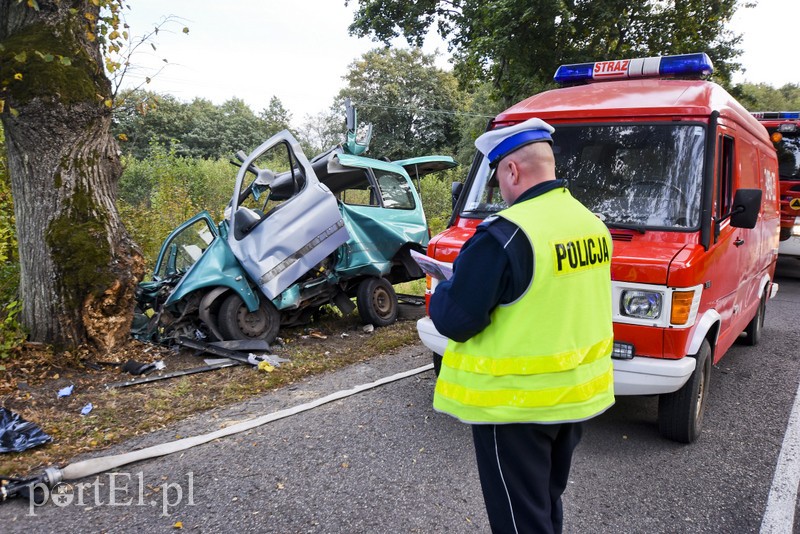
x=682, y=65
x=776, y=115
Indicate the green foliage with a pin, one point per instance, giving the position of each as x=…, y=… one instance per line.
x=158, y=193
x=11, y=332
x=764, y=97
x=481, y=106
x=518, y=44
x=436, y=197
x=322, y=131
x=409, y=101
x=275, y=116
x=197, y=129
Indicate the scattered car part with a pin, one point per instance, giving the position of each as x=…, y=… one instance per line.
x=137, y=368
x=215, y=350
x=173, y=374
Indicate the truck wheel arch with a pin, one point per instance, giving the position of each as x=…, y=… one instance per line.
x=707, y=328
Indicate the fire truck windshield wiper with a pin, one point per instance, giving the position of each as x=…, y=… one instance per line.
x=626, y=226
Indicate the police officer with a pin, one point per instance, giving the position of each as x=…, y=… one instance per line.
x=528, y=317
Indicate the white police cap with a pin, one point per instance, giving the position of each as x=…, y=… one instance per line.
x=497, y=144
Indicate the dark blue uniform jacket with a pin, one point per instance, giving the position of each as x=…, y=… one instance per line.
x=494, y=267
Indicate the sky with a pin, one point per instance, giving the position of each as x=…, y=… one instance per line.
x=299, y=50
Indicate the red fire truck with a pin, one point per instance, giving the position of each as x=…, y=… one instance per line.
x=784, y=131
x=686, y=181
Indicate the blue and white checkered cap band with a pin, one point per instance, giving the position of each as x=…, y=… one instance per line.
x=513, y=142
x=500, y=142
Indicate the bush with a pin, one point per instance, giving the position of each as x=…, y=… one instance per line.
x=437, y=199
x=11, y=332
x=162, y=191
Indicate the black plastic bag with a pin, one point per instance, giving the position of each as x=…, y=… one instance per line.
x=17, y=434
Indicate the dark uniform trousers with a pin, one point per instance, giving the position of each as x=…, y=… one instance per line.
x=524, y=469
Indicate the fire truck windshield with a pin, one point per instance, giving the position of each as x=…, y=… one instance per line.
x=789, y=156
x=635, y=175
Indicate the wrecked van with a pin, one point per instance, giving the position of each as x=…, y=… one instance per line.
x=297, y=235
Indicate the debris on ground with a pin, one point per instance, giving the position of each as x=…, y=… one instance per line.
x=137, y=368
x=17, y=434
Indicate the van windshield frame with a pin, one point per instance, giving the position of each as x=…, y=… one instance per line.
x=646, y=175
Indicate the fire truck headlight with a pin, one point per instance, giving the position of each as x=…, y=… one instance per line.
x=641, y=304
x=796, y=227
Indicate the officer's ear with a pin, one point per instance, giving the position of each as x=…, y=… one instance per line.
x=513, y=170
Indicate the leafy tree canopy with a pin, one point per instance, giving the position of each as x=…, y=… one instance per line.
x=518, y=44
x=195, y=129
x=410, y=102
x=763, y=97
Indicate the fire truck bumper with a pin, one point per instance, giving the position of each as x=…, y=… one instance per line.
x=431, y=337
x=651, y=376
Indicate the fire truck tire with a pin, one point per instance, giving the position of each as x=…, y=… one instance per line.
x=237, y=322
x=376, y=301
x=754, y=329
x=680, y=414
x=437, y=363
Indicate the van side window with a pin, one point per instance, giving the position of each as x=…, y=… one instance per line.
x=395, y=191
x=355, y=189
x=725, y=176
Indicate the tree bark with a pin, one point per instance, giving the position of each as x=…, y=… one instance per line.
x=78, y=266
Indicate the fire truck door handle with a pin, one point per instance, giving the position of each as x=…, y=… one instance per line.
x=739, y=242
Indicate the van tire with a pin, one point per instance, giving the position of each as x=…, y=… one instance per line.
x=237, y=322
x=376, y=301
x=680, y=414
x=756, y=326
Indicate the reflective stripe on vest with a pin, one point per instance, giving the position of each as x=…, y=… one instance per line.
x=545, y=357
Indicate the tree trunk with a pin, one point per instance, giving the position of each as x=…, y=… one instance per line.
x=78, y=264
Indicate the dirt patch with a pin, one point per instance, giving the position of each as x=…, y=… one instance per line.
x=32, y=377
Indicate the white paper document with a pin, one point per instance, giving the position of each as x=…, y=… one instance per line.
x=435, y=268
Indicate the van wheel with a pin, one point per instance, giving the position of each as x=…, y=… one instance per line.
x=376, y=301
x=237, y=322
x=437, y=363
x=680, y=414
x=754, y=329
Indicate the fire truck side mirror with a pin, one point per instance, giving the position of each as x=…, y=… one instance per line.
x=746, y=206
x=455, y=192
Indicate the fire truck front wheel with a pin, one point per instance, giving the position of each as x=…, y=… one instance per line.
x=754, y=329
x=680, y=414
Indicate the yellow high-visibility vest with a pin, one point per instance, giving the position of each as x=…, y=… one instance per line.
x=546, y=357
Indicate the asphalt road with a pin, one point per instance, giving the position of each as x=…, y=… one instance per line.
x=384, y=461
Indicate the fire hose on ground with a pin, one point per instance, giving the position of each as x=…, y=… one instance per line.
x=34, y=487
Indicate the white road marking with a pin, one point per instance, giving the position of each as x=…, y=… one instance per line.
x=782, y=500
